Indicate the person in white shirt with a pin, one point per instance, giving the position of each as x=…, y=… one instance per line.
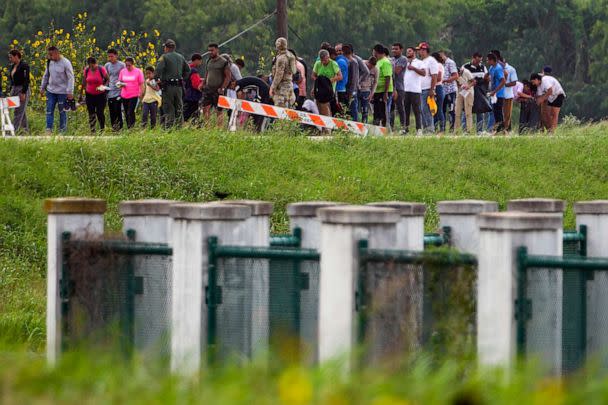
x=412, y=86
x=549, y=91
x=507, y=107
x=428, y=85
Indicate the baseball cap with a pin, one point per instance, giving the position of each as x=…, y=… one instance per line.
x=547, y=69
x=423, y=45
x=169, y=43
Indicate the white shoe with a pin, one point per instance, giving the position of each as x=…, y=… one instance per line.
x=419, y=132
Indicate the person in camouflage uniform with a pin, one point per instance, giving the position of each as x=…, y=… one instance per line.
x=283, y=69
x=172, y=69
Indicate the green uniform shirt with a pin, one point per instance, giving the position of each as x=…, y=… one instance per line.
x=385, y=68
x=172, y=66
x=329, y=70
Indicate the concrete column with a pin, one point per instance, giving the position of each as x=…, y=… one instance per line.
x=410, y=228
x=341, y=229
x=546, y=205
x=501, y=234
x=152, y=309
x=461, y=217
x=192, y=225
x=594, y=215
x=261, y=211
x=82, y=217
x=303, y=215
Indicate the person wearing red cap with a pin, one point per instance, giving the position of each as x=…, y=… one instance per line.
x=428, y=85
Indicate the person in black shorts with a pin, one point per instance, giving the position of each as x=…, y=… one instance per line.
x=549, y=91
x=215, y=83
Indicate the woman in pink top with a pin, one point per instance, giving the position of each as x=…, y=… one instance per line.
x=131, y=82
x=93, y=77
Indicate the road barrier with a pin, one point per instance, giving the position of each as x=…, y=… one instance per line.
x=302, y=117
x=6, y=126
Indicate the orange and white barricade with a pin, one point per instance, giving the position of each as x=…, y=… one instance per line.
x=302, y=117
x=6, y=125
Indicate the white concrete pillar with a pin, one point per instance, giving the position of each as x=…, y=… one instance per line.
x=152, y=308
x=410, y=228
x=501, y=234
x=192, y=225
x=461, y=217
x=594, y=215
x=547, y=205
x=341, y=230
x=82, y=217
x=303, y=215
x=261, y=211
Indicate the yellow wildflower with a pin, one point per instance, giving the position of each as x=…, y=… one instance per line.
x=80, y=16
x=67, y=36
x=124, y=32
x=145, y=35
x=85, y=14
x=295, y=387
x=132, y=33
x=157, y=33
x=39, y=32
x=15, y=42
x=118, y=41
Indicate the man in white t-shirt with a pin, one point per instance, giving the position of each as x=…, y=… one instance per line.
x=549, y=91
x=428, y=85
x=412, y=86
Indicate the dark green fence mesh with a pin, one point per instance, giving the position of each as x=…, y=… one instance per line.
x=269, y=302
x=116, y=293
x=409, y=301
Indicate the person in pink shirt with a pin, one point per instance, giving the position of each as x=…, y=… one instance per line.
x=94, y=78
x=131, y=82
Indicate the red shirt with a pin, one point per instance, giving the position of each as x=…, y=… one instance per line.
x=195, y=78
x=94, y=79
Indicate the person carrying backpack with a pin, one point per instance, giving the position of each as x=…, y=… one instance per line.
x=193, y=95
x=325, y=73
x=94, y=79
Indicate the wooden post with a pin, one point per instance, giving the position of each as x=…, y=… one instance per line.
x=282, y=26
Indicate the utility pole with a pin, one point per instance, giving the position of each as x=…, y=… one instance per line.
x=282, y=18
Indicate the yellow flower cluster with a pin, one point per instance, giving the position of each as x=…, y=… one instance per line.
x=79, y=43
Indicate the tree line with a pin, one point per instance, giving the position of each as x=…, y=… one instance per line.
x=569, y=35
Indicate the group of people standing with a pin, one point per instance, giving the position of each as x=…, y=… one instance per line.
x=430, y=86
x=399, y=82
x=170, y=92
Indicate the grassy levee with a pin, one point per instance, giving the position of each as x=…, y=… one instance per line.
x=280, y=167
x=194, y=166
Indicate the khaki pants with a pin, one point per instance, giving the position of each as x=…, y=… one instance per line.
x=507, y=109
x=467, y=103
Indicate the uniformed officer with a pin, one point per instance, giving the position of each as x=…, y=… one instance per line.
x=172, y=69
x=283, y=70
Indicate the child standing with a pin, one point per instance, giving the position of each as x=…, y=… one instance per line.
x=152, y=99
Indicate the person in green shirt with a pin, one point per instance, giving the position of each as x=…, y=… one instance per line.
x=328, y=68
x=172, y=69
x=384, y=91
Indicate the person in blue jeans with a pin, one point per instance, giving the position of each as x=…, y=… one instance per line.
x=497, y=80
x=58, y=86
x=428, y=84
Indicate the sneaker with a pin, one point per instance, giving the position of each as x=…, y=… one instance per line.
x=419, y=132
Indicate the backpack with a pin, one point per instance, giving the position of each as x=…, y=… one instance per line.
x=323, y=90
x=86, y=74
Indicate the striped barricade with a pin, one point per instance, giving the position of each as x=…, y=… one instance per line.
x=302, y=117
x=6, y=126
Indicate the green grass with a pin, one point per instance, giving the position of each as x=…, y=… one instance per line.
x=193, y=165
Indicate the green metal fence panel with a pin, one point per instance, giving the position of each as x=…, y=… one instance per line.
x=411, y=301
x=533, y=327
x=115, y=294
x=259, y=298
x=438, y=239
x=288, y=240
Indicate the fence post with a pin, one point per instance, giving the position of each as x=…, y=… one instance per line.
x=594, y=215
x=82, y=217
x=152, y=306
x=410, y=228
x=461, y=217
x=546, y=205
x=260, y=217
x=501, y=234
x=303, y=215
x=192, y=225
x=342, y=228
